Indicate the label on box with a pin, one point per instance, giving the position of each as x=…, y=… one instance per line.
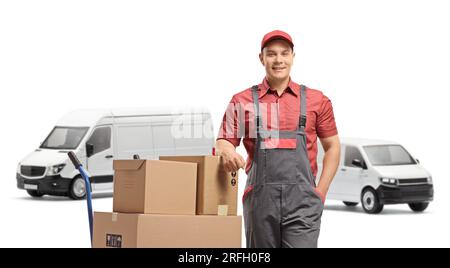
x=114, y=240
x=222, y=210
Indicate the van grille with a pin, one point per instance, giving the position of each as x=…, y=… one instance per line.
x=407, y=193
x=413, y=181
x=32, y=171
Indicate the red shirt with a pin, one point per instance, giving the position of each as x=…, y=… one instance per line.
x=278, y=113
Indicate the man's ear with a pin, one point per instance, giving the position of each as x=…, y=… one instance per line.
x=261, y=59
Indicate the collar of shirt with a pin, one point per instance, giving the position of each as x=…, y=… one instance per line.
x=292, y=88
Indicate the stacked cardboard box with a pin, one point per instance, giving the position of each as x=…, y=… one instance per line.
x=176, y=203
x=216, y=189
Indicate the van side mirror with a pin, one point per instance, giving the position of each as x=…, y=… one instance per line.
x=358, y=163
x=418, y=162
x=89, y=149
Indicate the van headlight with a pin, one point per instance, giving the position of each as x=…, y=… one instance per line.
x=388, y=181
x=430, y=180
x=18, y=169
x=55, y=170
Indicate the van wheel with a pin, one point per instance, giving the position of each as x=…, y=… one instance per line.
x=370, y=201
x=350, y=204
x=77, y=189
x=418, y=207
x=35, y=193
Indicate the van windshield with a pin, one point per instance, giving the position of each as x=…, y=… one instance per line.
x=66, y=138
x=388, y=155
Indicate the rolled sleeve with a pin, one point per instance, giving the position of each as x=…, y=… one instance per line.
x=326, y=124
x=230, y=128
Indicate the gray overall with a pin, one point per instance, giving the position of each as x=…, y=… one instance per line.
x=281, y=207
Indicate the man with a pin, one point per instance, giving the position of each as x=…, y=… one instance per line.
x=280, y=122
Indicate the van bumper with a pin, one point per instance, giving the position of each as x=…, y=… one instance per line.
x=405, y=194
x=52, y=185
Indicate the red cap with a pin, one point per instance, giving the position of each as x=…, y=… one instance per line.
x=277, y=34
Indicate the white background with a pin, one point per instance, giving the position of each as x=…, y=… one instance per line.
x=384, y=65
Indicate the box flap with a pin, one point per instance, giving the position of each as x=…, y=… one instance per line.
x=128, y=164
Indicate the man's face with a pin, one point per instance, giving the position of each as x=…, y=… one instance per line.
x=277, y=57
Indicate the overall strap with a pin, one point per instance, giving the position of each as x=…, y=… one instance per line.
x=302, y=117
x=257, y=112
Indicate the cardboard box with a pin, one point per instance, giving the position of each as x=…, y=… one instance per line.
x=166, y=231
x=215, y=187
x=153, y=186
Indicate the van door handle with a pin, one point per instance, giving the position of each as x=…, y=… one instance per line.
x=343, y=169
x=109, y=156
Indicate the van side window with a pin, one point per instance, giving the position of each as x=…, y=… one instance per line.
x=350, y=154
x=101, y=139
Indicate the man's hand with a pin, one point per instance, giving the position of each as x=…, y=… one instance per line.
x=232, y=161
x=321, y=194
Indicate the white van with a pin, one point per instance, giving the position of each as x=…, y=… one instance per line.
x=377, y=173
x=99, y=136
